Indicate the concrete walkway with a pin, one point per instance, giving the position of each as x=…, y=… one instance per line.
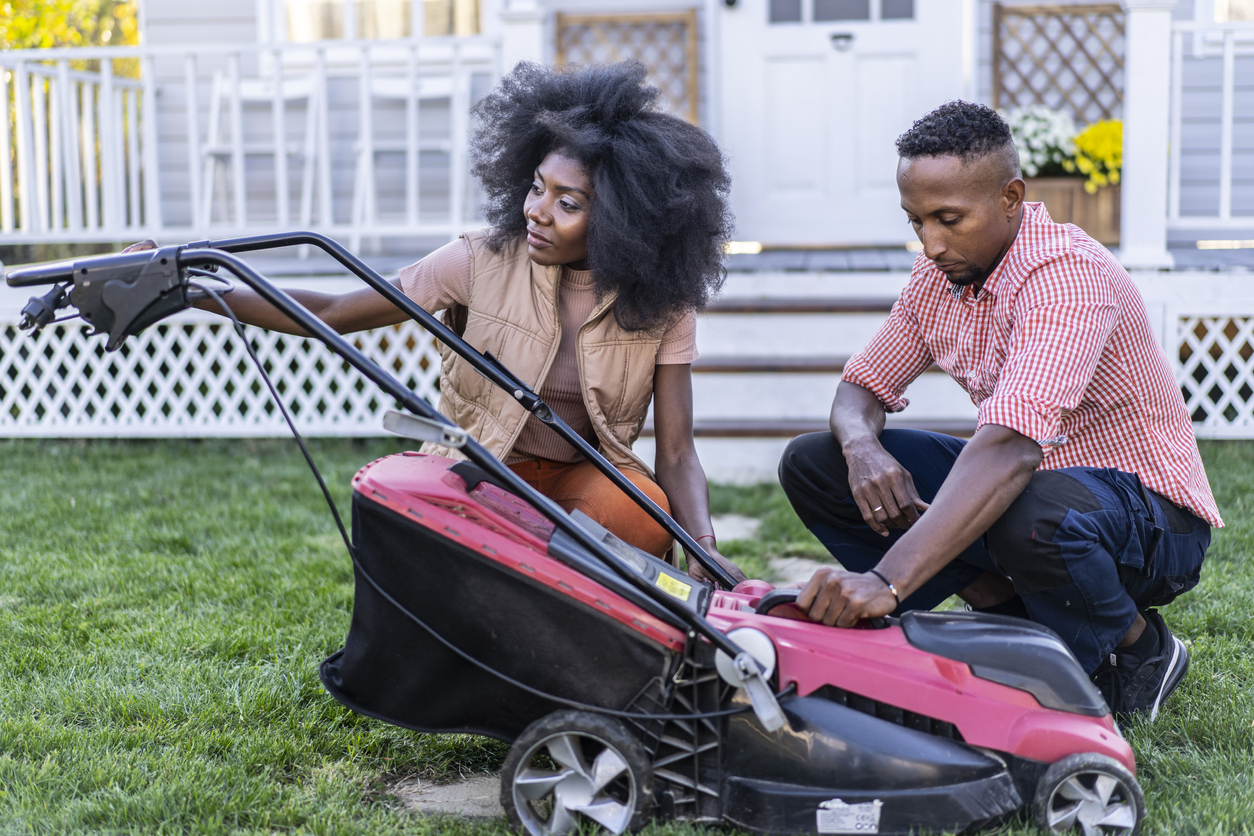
x=477, y=797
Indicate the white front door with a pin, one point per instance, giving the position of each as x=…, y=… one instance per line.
x=812, y=95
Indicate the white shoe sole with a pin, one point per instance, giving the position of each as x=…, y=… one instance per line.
x=1170, y=677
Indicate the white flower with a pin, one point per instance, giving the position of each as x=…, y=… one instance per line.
x=1042, y=136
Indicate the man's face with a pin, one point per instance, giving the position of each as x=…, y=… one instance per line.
x=965, y=214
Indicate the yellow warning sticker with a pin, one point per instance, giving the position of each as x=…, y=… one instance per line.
x=674, y=586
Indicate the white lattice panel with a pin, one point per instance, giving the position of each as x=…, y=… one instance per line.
x=1214, y=363
x=193, y=377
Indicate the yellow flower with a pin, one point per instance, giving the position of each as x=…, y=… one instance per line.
x=1099, y=153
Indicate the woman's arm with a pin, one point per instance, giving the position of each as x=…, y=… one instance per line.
x=679, y=472
x=358, y=310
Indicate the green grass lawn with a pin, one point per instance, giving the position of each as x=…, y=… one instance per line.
x=164, y=607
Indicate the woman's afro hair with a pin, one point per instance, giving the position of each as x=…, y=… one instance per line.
x=659, y=217
x=959, y=129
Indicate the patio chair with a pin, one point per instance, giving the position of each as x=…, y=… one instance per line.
x=227, y=124
x=369, y=145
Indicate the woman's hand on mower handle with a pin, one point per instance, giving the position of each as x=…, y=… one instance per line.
x=146, y=244
x=839, y=598
x=697, y=571
x=883, y=489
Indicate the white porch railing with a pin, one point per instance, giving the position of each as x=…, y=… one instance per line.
x=1211, y=166
x=353, y=139
x=189, y=376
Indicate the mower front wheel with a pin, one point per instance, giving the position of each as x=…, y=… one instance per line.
x=576, y=764
x=1090, y=794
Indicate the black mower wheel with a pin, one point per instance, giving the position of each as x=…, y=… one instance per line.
x=1090, y=794
x=572, y=765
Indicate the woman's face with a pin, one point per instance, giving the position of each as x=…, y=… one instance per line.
x=557, y=212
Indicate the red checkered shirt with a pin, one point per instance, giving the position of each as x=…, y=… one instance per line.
x=1056, y=346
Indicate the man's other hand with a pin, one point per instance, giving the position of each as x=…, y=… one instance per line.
x=839, y=598
x=883, y=489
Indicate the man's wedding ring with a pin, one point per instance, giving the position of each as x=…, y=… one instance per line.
x=877, y=508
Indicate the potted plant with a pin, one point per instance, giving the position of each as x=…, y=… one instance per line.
x=1074, y=173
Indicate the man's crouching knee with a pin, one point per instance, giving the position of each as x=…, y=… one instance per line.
x=1022, y=541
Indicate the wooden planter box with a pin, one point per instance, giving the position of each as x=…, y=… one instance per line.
x=1067, y=202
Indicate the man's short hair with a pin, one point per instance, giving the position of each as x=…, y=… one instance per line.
x=958, y=129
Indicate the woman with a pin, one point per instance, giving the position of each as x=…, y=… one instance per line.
x=608, y=219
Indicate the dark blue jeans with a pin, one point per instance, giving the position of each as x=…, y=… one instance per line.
x=1086, y=548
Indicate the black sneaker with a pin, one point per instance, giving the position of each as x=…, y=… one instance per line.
x=1136, y=685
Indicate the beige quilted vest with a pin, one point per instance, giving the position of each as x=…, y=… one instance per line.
x=513, y=313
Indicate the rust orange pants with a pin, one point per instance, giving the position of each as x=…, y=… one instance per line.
x=580, y=486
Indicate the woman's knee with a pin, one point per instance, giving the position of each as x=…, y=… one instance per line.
x=591, y=492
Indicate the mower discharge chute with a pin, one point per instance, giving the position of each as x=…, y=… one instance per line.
x=627, y=689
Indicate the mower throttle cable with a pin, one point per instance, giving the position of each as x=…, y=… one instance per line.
x=300, y=441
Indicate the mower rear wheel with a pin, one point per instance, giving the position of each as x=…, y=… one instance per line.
x=576, y=764
x=1090, y=794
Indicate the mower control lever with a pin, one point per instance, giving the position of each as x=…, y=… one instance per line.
x=746, y=670
x=749, y=669
x=776, y=598
x=424, y=429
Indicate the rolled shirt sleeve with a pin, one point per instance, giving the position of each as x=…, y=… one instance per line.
x=894, y=357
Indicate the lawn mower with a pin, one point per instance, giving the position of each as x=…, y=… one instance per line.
x=628, y=690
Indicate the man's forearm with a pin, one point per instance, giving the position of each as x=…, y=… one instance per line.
x=992, y=470
x=856, y=414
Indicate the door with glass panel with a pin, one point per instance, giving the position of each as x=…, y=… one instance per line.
x=813, y=94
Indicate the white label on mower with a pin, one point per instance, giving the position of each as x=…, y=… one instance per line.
x=836, y=816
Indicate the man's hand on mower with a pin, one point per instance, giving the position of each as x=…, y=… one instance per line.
x=146, y=244
x=839, y=598
x=883, y=489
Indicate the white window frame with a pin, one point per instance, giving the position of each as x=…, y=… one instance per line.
x=876, y=10
x=1211, y=44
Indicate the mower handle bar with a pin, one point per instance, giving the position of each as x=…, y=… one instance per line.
x=488, y=366
x=216, y=256
x=54, y=272
x=473, y=449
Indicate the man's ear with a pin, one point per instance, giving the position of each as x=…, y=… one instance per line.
x=1012, y=195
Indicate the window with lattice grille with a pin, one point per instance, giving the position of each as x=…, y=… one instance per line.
x=666, y=43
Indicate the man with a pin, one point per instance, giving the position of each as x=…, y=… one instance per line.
x=1081, y=501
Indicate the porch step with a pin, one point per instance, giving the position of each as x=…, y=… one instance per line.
x=793, y=305
x=773, y=348
x=732, y=364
